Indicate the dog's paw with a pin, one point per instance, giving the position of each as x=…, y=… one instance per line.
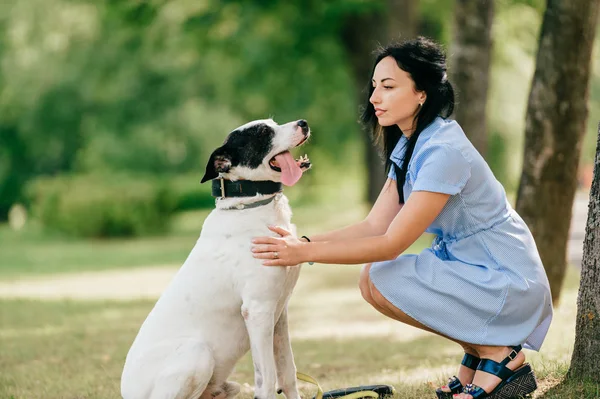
x=292, y=393
x=231, y=389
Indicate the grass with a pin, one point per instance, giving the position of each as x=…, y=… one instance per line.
x=33, y=254
x=75, y=349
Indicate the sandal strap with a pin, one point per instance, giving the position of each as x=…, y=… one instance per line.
x=470, y=361
x=512, y=355
x=454, y=385
x=475, y=391
x=499, y=369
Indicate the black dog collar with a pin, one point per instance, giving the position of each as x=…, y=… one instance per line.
x=222, y=188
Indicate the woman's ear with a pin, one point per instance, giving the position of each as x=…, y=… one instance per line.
x=219, y=162
x=422, y=97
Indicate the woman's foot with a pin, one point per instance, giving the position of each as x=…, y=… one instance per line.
x=488, y=381
x=465, y=376
x=466, y=371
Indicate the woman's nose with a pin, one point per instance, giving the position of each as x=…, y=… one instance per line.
x=374, y=99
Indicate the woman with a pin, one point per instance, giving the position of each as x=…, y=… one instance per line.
x=484, y=283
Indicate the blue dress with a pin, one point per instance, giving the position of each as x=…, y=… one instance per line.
x=482, y=280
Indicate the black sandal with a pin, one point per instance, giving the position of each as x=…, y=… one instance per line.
x=516, y=384
x=454, y=383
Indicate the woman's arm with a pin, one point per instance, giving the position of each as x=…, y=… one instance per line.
x=416, y=215
x=377, y=221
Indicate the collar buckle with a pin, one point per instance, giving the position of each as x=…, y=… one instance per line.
x=222, y=188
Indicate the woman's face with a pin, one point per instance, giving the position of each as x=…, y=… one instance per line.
x=394, y=96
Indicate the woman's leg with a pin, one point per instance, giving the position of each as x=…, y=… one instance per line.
x=381, y=304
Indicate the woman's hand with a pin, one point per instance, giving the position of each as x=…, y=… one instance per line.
x=284, y=251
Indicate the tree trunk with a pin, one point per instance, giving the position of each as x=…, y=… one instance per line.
x=362, y=35
x=401, y=19
x=586, y=353
x=555, y=125
x=470, y=67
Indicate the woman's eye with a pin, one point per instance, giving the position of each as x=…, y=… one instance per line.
x=387, y=87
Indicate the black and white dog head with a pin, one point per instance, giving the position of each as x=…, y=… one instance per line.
x=260, y=150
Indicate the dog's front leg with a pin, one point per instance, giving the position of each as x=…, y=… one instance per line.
x=284, y=358
x=259, y=318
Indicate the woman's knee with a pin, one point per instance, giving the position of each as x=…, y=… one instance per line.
x=368, y=290
x=378, y=298
x=364, y=283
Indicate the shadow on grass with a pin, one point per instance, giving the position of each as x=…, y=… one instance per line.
x=413, y=367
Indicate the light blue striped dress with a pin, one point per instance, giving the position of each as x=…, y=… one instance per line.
x=482, y=281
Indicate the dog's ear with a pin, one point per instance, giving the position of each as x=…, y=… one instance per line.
x=219, y=162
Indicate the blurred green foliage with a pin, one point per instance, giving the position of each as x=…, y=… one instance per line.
x=153, y=87
x=102, y=206
x=150, y=88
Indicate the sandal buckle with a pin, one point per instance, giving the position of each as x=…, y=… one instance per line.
x=513, y=355
x=469, y=389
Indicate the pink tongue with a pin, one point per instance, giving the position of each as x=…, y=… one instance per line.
x=290, y=171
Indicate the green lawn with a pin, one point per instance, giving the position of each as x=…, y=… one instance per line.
x=75, y=349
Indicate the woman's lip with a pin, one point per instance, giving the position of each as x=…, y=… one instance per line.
x=379, y=112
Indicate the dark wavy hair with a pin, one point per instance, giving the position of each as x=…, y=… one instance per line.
x=425, y=62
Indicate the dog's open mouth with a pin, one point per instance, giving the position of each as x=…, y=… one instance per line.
x=303, y=162
x=291, y=169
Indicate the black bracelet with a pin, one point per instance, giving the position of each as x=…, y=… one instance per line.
x=308, y=239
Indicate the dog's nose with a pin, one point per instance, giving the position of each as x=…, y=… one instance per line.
x=303, y=124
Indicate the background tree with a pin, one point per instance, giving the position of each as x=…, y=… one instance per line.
x=586, y=353
x=148, y=88
x=378, y=26
x=555, y=126
x=470, y=67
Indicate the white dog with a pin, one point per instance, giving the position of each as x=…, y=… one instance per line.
x=223, y=301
